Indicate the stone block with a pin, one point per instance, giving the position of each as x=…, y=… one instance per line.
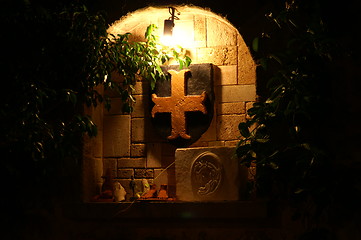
x=137, y=150
x=220, y=34
x=131, y=162
x=125, y=173
x=231, y=108
x=227, y=126
x=138, y=130
x=200, y=31
x=141, y=87
x=236, y=93
x=116, y=136
x=140, y=107
x=217, y=55
x=143, y=173
x=246, y=67
x=154, y=155
x=208, y=174
x=225, y=75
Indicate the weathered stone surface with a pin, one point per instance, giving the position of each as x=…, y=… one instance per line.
x=217, y=55
x=219, y=34
x=140, y=107
x=137, y=150
x=138, y=130
x=225, y=75
x=227, y=126
x=208, y=174
x=116, y=138
x=200, y=31
x=131, y=162
x=246, y=67
x=143, y=173
x=125, y=173
x=231, y=108
x=236, y=93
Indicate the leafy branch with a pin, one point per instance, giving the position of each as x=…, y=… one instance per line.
x=60, y=57
x=284, y=131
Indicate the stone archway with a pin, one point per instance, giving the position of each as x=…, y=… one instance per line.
x=127, y=144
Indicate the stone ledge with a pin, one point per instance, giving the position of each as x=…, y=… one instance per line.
x=238, y=211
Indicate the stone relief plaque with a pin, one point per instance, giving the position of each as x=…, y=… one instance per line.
x=209, y=174
x=182, y=108
x=206, y=175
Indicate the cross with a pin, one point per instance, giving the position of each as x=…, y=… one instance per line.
x=178, y=104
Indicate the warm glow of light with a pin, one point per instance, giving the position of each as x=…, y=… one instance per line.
x=183, y=35
x=167, y=40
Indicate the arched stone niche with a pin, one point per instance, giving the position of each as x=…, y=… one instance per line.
x=127, y=144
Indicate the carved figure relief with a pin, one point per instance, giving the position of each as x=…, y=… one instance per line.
x=206, y=174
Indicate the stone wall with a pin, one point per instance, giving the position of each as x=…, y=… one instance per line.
x=128, y=144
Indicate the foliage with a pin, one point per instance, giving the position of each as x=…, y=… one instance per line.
x=290, y=134
x=59, y=56
x=55, y=58
x=285, y=134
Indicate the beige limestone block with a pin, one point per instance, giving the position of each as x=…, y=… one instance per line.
x=125, y=173
x=231, y=108
x=246, y=67
x=200, y=31
x=217, y=55
x=131, y=162
x=138, y=150
x=138, y=130
x=208, y=174
x=225, y=75
x=143, y=173
x=227, y=126
x=116, y=136
x=236, y=93
x=141, y=106
x=220, y=34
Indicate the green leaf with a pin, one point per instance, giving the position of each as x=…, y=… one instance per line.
x=152, y=84
x=181, y=64
x=242, y=150
x=188, y=61
x=255, y=44
x=244, y=130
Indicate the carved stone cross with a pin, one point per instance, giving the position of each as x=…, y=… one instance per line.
x=178, y=104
